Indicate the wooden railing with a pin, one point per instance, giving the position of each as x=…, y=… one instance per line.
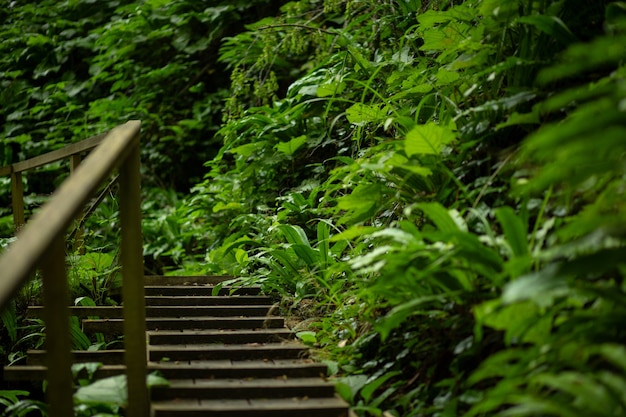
x=41, y=244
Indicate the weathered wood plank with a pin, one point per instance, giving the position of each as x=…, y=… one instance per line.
x=59, y=360
x=63, y=153
x=199, y=290
x=243, y=388
x=38, y=372
x=302, y=407
x=233, y=352
x=204, y=300
x=192, y=369
x=17, y=200
x=115, y=325
x=161, y=280
x=116, y=312
x=106, y=357
x=219, y=336
x=131, y=258
x=193, y=310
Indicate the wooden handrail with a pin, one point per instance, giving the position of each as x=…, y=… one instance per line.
x=15, y=170
x=59, y=154
x=40, y=244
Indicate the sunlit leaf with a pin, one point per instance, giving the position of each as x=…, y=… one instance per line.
x=429, y=138
x=307, y=337
x=289, y=148
x=360, y=114
x=445, y=77
x=330, y=89
x=439, y=216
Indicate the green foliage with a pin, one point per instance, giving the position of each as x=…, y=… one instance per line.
x=437, y=187
x=445, y=181
x=74, y=69
x=107, y=396
x=20, y=407
x=95, y=275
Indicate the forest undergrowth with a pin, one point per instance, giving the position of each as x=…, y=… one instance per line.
x=438, y=185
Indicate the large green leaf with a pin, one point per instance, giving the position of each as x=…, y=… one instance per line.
x=426, y=139
x=290, y=147
x=361, y=204
x=552, y=26
x=515, y=231
x=360, y=114
x=323, y=243
x=294, y=234
x=111, y=391
x=439, y=216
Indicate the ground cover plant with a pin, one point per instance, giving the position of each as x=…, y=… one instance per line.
x=436, y=188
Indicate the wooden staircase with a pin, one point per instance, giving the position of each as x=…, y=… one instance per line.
x=224, y=355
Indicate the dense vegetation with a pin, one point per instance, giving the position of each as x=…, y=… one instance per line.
x=435, y=187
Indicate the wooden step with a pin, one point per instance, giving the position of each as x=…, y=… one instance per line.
x=106, y=357
x=224, y=354
x=194, y=300
x=288, y=407
x=215, y=369
x=213, y=389
x=115, y=326
x=185, y=280
x=184, y=310
x=222, y=351
x=200, y=290
x=39, y=372
x=303, y=368
x=218, y=336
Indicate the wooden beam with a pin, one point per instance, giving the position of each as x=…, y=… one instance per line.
x=69, y=150
x=59, y=358
x=78, y=245
x=131, y=257
x=17, y=200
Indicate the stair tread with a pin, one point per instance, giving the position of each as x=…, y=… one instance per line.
x=116, y=312
x=205, y=364
x=186, y=279
x=204, y=347
x=256, y=405
x=194, y=319
x=230, y=336
x=206, y=290
x=253, y=382
x=186, y=332
x=200, y=369
x=200, y=286
x=194, y=322
x=210, y=348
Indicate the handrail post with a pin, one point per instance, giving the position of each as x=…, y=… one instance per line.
x=131, y=257
x=58, y=347
x=17, y=199
x=79, y=237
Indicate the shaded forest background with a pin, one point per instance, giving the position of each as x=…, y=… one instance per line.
x=436, y=188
